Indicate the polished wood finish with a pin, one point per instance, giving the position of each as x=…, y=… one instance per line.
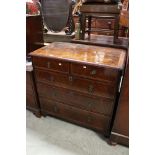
x=120, y=130
x=92, y=72
x=104, y=41
x=34, y=33
x=85, y=118
x=83, y=101
x=75, y=83
x=93, y=55
x=32, y=102
x=104, y=11
x=47, y=63
x=79, y=83
x=100, y=8
x=101, y=26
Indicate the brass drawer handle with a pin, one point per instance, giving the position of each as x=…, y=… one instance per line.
x=90, y=88
x=70, y=78
x=55, y=108
x=90, y=105
x=54, y=94
x=89, y=119
x=93, y=72
x=48, y=65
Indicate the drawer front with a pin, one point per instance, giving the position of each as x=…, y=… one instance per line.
x=78, y=84
x=93, y=104
x=107, y=33
x=51, y=64
x=102, y=74
x=105, y=23
x=52, y=78
x=72, y=114
x=94, y=88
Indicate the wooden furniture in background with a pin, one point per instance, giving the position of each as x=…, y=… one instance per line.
x=32, y=103
x=120, y=130
x=34, y=33
x=99, y=10
x=124, y=15
x=104, y=26
x=79, y=83
x=103, y=40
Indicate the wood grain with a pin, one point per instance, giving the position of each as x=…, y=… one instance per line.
x=94, y=55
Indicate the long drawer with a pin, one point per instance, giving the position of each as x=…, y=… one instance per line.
x=95, y=121
x=79, y=100
x=90, y=87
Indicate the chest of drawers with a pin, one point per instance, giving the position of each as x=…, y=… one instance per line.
x=78, y=83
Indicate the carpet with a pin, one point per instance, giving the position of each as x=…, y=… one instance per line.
x=51, y=136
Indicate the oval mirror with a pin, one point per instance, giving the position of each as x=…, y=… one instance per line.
x=55, y=14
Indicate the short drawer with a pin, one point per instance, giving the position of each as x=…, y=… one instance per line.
x=105, y=23
x=51, y=64
x=79, y=100
x=52, y=78
x=98, y=73
x=75, y=115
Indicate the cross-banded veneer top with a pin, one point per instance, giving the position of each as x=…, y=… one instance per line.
x=94, y=55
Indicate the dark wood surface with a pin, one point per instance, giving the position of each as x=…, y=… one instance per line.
x=100, y=8
x=100, y=26
x=93, y=55
x=34, y=33
x=31, y=94
x=105, y=41
x=83, y=101
x=110, y=11
x=120, y=130
x=78, y=83
x=75, y=115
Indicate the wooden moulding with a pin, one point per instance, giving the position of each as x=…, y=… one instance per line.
x=98, y=8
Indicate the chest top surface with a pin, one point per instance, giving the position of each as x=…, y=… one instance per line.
x=94, y=55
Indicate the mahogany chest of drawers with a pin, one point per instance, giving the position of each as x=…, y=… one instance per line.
x=78, y=83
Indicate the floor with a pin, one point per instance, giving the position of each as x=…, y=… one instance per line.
x=51, y=136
